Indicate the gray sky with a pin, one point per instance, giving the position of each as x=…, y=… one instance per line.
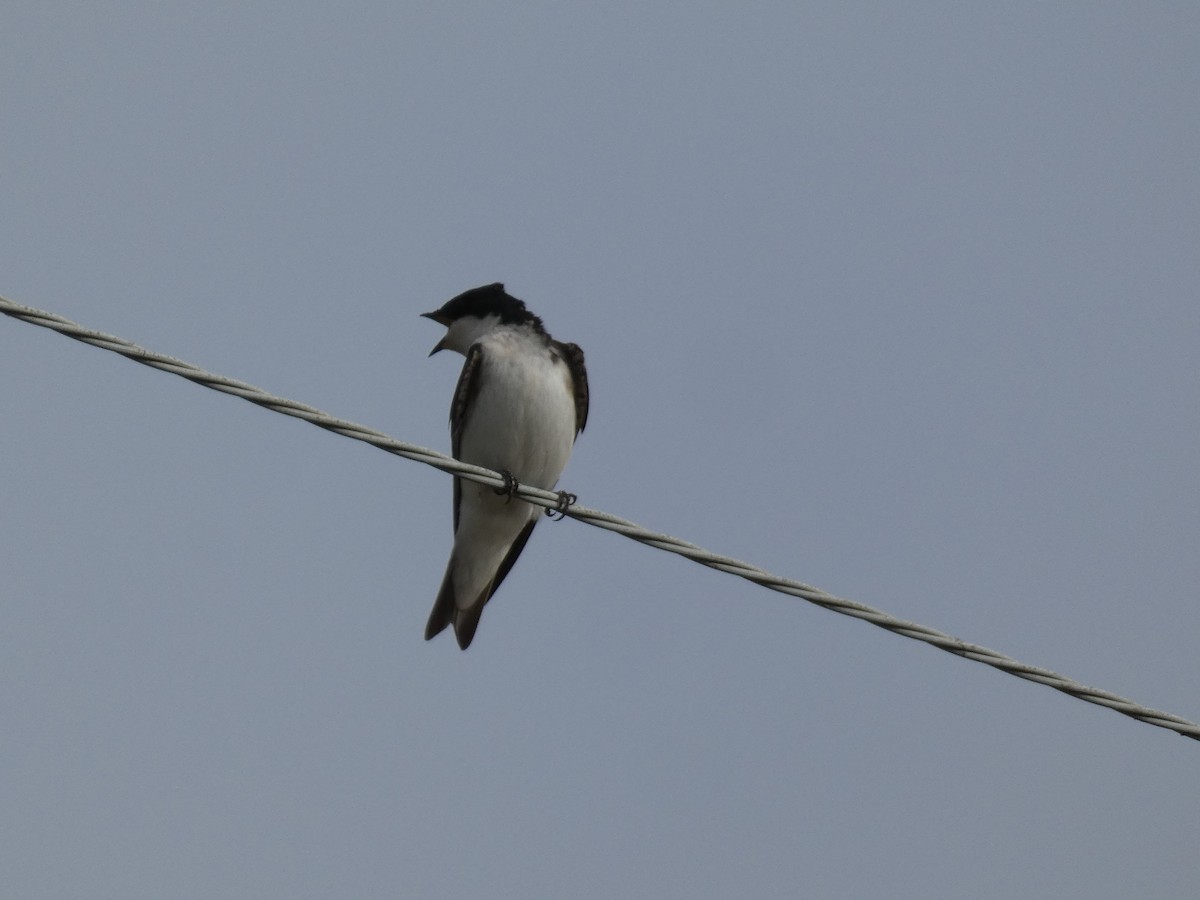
x=899, y=300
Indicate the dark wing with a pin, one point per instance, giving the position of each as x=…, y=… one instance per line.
x=460, y=406
x=511, y=557
x=572, y=355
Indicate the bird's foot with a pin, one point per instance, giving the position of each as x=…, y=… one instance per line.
x=565, y=502
x=510, y=485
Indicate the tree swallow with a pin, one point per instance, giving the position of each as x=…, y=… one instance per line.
x=521, y=401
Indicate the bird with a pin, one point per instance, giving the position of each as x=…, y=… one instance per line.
x=520, y=403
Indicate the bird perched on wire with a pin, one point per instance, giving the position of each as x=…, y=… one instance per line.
x=521, y=401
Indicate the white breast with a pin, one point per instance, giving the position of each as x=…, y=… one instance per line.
x=523, y=418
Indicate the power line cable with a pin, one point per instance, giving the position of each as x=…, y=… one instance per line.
x=550, y=500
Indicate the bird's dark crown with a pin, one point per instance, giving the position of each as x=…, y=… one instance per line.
x=489, y=300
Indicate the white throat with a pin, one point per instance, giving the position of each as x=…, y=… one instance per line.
x=464, y=332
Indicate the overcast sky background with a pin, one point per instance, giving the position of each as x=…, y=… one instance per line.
x=896, y=299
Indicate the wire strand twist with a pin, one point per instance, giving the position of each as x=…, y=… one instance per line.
x=550, y=500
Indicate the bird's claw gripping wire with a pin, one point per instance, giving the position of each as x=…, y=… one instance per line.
x=565, y=502
x=510, y=486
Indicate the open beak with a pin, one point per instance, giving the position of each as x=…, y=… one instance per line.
x=437, y=317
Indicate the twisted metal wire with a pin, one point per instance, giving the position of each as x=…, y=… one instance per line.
x=551, y=500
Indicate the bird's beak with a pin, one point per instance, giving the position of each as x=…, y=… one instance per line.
x=437, y=317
